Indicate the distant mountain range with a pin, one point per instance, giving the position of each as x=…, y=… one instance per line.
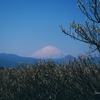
x=12, y=60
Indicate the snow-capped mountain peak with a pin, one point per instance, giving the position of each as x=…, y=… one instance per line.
x=48, y=52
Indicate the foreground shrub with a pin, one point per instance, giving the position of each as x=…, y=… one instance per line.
x=50, y=81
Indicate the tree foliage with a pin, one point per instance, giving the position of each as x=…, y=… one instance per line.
x=90, y=32
x=74, y=80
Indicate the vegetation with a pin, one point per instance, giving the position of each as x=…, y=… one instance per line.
x=90, y=32
x=76, y=80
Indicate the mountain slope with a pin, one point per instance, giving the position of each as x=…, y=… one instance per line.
x=11, y=60
x=49, y=52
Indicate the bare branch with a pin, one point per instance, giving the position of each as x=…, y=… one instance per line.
x=94, y=8
x=88, y=33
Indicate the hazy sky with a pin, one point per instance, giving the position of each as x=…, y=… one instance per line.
x=28, y=25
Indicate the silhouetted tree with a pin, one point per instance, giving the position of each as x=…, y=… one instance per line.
x=90, y=32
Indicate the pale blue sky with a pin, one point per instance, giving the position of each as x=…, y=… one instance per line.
x=28, y=25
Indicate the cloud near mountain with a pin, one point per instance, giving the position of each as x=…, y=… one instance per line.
x=49, y=52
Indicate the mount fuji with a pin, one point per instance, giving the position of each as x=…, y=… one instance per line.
x=49, y=52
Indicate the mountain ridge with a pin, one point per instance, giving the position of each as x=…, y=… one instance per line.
x=8, y=60
x=12, y=60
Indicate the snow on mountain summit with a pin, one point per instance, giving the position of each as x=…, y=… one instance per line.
x=49, y=52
